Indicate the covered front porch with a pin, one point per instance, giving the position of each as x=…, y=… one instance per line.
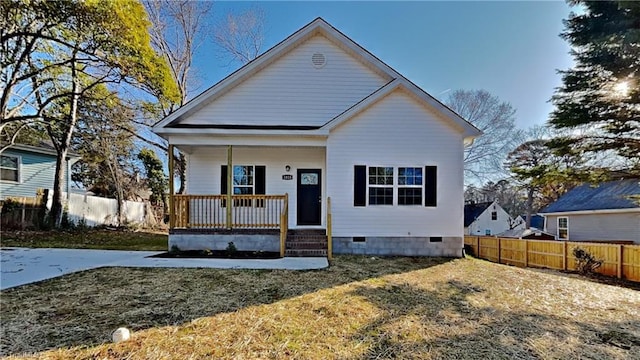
x=245, y=211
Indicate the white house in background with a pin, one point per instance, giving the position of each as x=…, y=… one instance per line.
x=489, y=218
x=316, y=140
x=607, y=211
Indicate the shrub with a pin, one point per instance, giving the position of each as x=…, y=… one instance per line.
x=585, y=261
x=231, y=249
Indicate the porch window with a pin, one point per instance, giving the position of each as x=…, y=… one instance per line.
x=563, y=228
x=243, y=180
x=380, y=185
x=10, y=168
x=246, y=180
x=409, y=186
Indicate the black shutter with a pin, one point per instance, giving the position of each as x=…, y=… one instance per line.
x=223, y=180
x=223, y=184
x=359, y=185
x=431, y=185
x=260, y=180
x=260, y=185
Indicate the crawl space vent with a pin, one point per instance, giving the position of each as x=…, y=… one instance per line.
x=318, y=60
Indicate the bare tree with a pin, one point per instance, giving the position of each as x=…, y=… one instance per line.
x=178, y=29
x=483, y=160
x=241, y=35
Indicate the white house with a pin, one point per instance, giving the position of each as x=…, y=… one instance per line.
x=607, y=211
x=489, y=218
x=325, y=142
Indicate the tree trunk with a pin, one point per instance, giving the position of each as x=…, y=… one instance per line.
x=55, y=216
x=63, y=147
x=530, y=192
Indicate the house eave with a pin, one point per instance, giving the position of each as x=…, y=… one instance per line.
x=40, y=150
x=239, y=132
x=591, y=212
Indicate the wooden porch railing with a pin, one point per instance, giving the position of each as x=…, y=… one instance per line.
x=284, y=225
x=329, y=230
x=247, y=212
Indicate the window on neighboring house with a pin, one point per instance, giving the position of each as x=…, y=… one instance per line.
x=409, y=186
x=563, y=228
x=494, y=215
x=380, y=186
x=9, y=168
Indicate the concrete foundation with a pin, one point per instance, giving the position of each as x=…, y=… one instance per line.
x=402, y=246
x=243, y=242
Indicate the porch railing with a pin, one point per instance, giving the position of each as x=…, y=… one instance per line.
x=329, y=230
x=247, y=212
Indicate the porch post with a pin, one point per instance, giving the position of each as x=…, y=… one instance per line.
x=229, y=183
x=172, y=216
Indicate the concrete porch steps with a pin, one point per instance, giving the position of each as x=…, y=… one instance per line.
x=310, y=243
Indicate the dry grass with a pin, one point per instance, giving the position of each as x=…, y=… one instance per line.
x=105, y=239
x=360, y=308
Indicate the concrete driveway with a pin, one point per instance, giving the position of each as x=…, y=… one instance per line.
x=19, y=266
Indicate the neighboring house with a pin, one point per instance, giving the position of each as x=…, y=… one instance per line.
x=530, y=234
x=488, y=218
x=318, y=117
x=537, y=221
x=597, y=212
x=25, y=168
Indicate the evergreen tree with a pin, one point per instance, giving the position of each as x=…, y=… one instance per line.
x=599, y=100
x=156, y=178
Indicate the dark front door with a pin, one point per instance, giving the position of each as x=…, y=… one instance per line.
x=309, y=196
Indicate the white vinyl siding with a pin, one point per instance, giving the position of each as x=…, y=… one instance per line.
x=396, y=132
x=204, y=166
x=291, y=91
x=588, y=227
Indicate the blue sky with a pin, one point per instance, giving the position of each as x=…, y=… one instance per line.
x=511, y=49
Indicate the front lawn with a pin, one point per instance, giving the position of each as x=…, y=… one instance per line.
x=359, y=308
x=105, y=239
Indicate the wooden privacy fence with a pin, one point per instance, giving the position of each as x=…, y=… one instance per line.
x=622, y=261
x=22, y=212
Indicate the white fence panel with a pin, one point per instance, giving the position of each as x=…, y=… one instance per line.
x=97, y=210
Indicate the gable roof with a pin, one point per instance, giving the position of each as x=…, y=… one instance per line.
x=318, y=26
x=612, y=195
x=472, y=211
x=523, y=233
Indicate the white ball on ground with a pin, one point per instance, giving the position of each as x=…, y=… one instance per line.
x=121, y=334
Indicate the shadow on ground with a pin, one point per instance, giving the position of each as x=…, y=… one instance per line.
x=82, y=309
x=466, y=331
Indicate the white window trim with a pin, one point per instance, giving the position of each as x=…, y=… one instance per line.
x=421, y=186
x=558, y=227
x=252, y=186
x=19, y=158
x=392, y=186
x=395, y=186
